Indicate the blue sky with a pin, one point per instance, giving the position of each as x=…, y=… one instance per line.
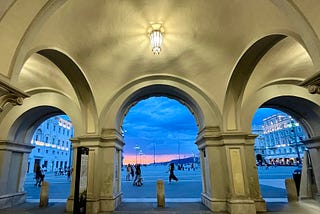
x=160, y=124
x=166, y=126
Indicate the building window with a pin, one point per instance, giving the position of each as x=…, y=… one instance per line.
x=47, y=125
x=54, y=128
x=63, y=131
x=38, y=150
x=47, y=138
x=53, y=152
x=47, y=151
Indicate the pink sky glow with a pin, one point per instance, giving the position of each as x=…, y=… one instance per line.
x=146, y=159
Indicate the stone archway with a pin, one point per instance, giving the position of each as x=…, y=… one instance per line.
x=228, y=181
x=16, y=148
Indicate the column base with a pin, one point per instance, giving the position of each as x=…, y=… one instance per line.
x=214, y=204
x=69, y=205
x=110, y=204
x=260, y=205
x=241, y=206
x=10, y=200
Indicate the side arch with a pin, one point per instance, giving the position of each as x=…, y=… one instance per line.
x=292, y=99
x=80, y=84
x=240, y=77
x=18, y=124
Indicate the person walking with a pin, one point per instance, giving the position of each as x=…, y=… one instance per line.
x=138, y=180
x=128, y=172
x=171, y=171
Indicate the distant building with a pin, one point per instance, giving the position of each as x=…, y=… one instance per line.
x=282, y=136
x=52, y=143
x=259, y=146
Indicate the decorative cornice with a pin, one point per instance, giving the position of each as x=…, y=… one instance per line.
x=109, y=138
x=213, y=137
x=312, y=84
x=10, y=94
x=15, y=147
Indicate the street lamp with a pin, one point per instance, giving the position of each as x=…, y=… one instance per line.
x=137, y=149
x=140, y=153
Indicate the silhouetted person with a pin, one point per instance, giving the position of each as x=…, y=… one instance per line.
x=138, y=180
x=172, y=176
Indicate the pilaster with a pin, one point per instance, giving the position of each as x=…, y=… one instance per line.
x=104, y=168
x=230, y=181
x=13, y=156
x=313, y=146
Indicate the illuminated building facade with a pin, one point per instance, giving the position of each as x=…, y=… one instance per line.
x=259, y=145
x=283, y=137
x=52, y=145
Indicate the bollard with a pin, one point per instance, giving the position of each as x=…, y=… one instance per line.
x=291, y=190
x=160, y=193
x=44, y=194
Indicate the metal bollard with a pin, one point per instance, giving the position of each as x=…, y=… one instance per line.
x=160, y=193
x=44, y=194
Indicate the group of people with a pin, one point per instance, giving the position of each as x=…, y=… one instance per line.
x=134, y=171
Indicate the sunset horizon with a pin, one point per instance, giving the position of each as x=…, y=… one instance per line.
x=148, y=159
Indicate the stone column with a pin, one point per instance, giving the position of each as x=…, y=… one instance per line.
x=69, y=206
x=104, y=171
x=252, y=173
x=239, y=171
x=12, y=172
x=313, y=146
x=214, y=171
x=110, y=161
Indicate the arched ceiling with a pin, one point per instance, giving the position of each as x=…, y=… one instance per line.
x=203, y=42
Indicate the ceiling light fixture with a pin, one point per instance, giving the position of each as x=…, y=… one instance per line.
x=155, y=35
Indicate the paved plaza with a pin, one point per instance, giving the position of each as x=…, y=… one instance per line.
x=179, y=195
x=187, y=189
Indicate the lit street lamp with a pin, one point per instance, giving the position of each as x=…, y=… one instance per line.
x=137, y=149
x=140, y=153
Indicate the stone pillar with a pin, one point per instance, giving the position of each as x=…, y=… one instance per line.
x=70, y=200
x=104, y=171
x=306, y=178
x=313, y=146
x=12, y=157
x=110, y=159
x=240, y=201
x=230, y=180
x=214, y=172
x=252, y=174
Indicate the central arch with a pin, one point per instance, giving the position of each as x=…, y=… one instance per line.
x=227, y=176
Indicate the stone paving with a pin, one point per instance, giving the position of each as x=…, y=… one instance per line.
x=187, y=189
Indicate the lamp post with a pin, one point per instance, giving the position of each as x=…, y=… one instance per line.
x=140, y=153
x=137, y=149
x=293, y=125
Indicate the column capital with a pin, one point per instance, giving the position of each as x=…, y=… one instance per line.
x=108, y=138
x=312, y=143
x=15, y=147
x=212, y=136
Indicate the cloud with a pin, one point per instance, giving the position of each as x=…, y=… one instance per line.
x=160, y=124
